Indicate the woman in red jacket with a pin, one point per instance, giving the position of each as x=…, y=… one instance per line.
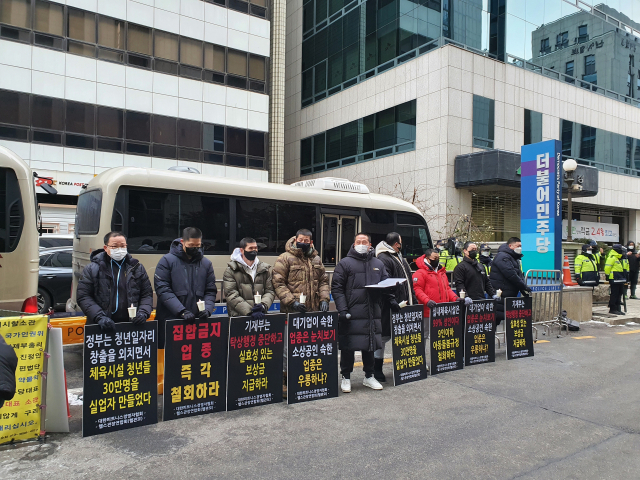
x=430, y=282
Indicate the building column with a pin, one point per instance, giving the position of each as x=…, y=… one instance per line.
x=277, y=93
x=634, y=226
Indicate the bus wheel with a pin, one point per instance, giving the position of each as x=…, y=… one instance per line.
x=44, y=301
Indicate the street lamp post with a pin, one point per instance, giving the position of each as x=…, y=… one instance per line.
x=569, y=166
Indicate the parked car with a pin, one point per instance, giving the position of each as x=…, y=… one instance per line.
x=54, y=284
x=54, y=240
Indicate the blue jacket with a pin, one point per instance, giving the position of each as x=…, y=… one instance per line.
x=180, y=283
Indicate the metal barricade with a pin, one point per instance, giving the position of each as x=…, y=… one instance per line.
x=546, y=287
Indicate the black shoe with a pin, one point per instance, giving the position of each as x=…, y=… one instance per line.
x=377, y=370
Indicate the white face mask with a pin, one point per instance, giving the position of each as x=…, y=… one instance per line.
x=589, y=252
x=485, y=254
x=518, y=250
x=361, y=248
x=118, y=253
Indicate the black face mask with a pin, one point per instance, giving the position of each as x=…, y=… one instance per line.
x=473, y=254
x=434, y=263
x=251, y=256
x=191, y=251
x=303, y=246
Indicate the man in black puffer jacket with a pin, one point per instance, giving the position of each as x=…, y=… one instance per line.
x=506, y=274
x=184, y=277
x=359, y=325
x=111, y=283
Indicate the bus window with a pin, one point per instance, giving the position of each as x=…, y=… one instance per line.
x=11, y=214
x=272, y=224
x=377, y=223
x=415, y=235
x=157, y=218
x=88, y=212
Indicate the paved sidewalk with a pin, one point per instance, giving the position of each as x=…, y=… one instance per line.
x=601, y=313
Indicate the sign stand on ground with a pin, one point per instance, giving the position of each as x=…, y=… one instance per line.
x=446, y=337
x=480, y=333
x=407, y=345
x=518, y=327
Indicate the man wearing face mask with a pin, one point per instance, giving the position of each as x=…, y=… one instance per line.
x=183, y=277
x=617, y=277
x=245, y=277
x=586, y=267
x=632, y=258
x=299, y=271
x=430, y=282
x=506, y=273
x=470, y=277
x=360, y=312
x=485, y=259
x=111, y=283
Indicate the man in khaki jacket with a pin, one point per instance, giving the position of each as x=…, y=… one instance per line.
x=299, y=271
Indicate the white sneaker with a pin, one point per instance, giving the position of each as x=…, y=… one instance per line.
x=371, y=382
x=346, y=385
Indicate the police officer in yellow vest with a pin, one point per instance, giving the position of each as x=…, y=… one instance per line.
x=444, y=254
x=616, y=276
x=485, y=259
x=586, y=267
x=454, y=257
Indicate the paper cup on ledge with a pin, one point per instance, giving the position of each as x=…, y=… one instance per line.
x=201, y=305
x=257, y=299
x=132, y=311
x=303, y=298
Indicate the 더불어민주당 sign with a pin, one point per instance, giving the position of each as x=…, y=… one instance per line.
x=518, y=327
x=480, y=333
x=195, y=367
x=120, y=377
x=446, y=327
x=407, y=345
x=312, y=362
x=254, y=375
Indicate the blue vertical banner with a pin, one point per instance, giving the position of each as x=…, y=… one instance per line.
x=541, y=205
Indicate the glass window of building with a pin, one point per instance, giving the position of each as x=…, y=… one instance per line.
x=139, y=39
x=191, y=52
x=111, y=32
x=583, y=35
x=566, y=137
x=545, y=47
x=237, y=63
x=110, y=122
x=165, y=45
x=80, y=118
x=164, y=130
x=587, y=142
x=47, y=113
x=15, y=108
x=236, y=141
x=483, y=122
x=562, y=40
x=49, y=18
x=256, y=144
x=189, y=133
x=213, y=138
x=214, y=57
x=81, y=25
x=590, y=74
x=256, y=67
x=569, y=68
x=532, y=127
x=138, y=126
x=16, y=13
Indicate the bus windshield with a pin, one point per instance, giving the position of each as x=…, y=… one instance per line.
x=88, y=212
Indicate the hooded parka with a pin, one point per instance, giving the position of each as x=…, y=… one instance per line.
x=239, y=285
x=431, y=284
x=296, y=272
x=95, y=287
x=363, y=330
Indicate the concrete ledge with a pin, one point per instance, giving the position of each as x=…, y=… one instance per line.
x=577, y=301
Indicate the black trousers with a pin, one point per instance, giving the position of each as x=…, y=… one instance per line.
x=347, y=359
x=615, y=297
x=633, y=281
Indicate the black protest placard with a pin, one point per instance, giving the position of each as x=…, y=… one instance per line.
x=254, y=375
x=312, y=362
x=480, y=333
x=518, y=327
x=195, y=367
x=120, y=377
x=407, y=345
x=445, y=337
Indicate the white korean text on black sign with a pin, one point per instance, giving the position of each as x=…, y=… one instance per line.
x=407, y=341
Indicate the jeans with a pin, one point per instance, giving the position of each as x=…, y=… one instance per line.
x=379, y=353
x=347, y=359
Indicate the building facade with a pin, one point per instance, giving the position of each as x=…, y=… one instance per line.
x=391, y=93
x=88, y=85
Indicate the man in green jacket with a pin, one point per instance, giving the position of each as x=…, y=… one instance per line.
x=245, y=277
x=586, y=267
x=616, y=276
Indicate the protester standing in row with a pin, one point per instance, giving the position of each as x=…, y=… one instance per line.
x=111, y=283
x=470, y=277
x=183, y=277
x=506, y=273
x=389, y=252
x=616, y=276
x=359, y=309
x=430, y=282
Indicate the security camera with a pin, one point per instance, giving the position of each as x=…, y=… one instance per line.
x=577, y=188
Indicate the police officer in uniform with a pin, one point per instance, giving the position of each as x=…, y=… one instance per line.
x=586, y=267
x=614, y=270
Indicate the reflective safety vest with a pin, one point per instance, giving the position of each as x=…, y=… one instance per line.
x=487, y=268
x=451, y=263
x=587, y=270
x=444, y=256
x=613, y=268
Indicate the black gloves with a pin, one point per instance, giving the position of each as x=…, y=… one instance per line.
x=394, y=305
x=139, y=320
x=344, y=316
x=324, y=306
x=431, y=304
x=188, y=316
x=527, y=291
x=257, y=311
x=106, y=323
x=299, y=307
x=461, y=300
x=204, y=314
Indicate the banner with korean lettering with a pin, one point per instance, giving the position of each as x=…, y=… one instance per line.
x=195, y=367
x=518, y=327
x=312, y=362
x=120, y=377
x=20, y=416
x=480, y=333
x=446, y=329
x=541, y=205
x=254, y=369
x=407, y=345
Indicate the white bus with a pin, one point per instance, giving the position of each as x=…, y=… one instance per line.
x=19, y=259
x=152, y=207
